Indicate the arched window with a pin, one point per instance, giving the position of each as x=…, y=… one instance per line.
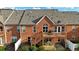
x=45, y=28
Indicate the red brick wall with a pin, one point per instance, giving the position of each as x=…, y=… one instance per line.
x=12, y=32
x=39, y=27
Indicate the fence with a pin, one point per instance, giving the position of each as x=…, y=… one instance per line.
x=71, y=45
x=17, y=44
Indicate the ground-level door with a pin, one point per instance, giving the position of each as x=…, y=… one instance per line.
x=1, y=41
x=61, y=41
x=29, y=40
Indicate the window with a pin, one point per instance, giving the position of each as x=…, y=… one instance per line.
x=34, y=29
x=14, y=38
x=45, y=28
x=18, y=28
x=59, y=29
x=63, y=29
x=74, y=28
x=55, y=29
x=23, y=28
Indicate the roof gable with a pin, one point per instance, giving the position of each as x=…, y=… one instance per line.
x=43, y=18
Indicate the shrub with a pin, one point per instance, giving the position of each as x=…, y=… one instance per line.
x=41, y=48
x=24, y=48
x=33, y=48
x=77, y=47
x=46, y=48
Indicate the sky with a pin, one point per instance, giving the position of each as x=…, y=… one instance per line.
x=59, y=8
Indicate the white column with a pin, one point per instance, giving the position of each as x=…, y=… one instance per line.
x=5, y=34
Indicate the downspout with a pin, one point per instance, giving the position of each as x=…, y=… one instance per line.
x=20, y=21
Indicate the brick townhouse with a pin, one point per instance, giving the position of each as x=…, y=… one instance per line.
x=37, y=26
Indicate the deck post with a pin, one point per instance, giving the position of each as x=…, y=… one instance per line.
x=42, y=41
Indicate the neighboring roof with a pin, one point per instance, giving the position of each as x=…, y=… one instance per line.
x=1, y=18
x=31, y=17
x=15, y=18
x=5, y=13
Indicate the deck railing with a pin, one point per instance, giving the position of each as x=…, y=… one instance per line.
x=53, y=34
x=37, y=37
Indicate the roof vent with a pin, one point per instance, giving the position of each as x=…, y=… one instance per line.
x=51, y=17
x=58, y=21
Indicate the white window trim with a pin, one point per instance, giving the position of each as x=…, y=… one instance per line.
x=60, y=29
x=73, y=27
x=44, y=26
x=23, y=27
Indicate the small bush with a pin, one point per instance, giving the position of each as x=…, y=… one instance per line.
x=24, y=48
x=33, y=48
x=41, y=48
x=2, y=48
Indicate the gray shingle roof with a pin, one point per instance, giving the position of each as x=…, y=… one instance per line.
x=15, y=18
x=31, y=17
x=5, y=13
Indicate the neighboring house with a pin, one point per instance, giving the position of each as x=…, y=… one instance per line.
x=36, y=26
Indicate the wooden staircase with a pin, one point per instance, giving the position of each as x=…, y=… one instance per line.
x=37, y=37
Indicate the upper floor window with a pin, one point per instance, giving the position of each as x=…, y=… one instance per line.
x=23, y=28
x=18, y=28
x=34, y=29
x=45, y=28
x=63, y=28
x=59, y=29
x=74, y=28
